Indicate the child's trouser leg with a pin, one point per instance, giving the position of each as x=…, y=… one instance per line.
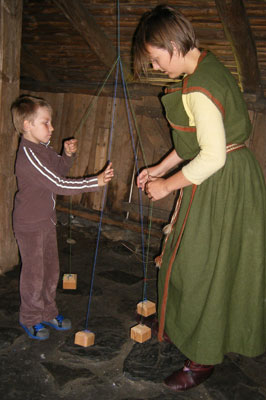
x=39, y=275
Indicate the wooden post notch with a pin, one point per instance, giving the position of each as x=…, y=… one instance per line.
x=84, y=338
x=70, y=281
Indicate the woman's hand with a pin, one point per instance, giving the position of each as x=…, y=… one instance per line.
x=152, y=173
x=156, y=189
x=106, y=175
x=70, y=147
x=145, y=176
x=142, y=179
x=160, y=187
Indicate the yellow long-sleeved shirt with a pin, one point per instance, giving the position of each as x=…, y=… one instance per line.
x=207, y=119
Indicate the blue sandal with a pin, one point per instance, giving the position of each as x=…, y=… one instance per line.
x=59, y=323
x=37, y=331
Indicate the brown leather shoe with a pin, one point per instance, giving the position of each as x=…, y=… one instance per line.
x=188, y=377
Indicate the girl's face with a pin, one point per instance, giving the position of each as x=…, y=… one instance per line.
x=161, y=60
x=40, y=129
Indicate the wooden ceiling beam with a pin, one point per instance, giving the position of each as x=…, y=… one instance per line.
x=238, y=32
x=85, y=24
x=136, y=90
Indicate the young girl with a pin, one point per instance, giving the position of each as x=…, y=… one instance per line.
x=211, y=289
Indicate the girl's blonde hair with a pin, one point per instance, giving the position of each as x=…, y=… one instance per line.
x=24, y=108
x=161, y=27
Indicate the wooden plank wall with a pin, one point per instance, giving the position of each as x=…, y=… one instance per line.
x=257, y=141
x=94, y=135
x=94, y=138
x=10, y=28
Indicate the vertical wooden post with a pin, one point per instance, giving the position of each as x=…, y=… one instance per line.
x=238, y=32
x=10, y=44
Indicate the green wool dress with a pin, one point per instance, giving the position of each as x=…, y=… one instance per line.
x=213, y=301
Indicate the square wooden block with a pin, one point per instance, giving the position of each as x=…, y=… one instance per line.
x=84, y=338
x=70, y=281
x=146, y=308
x=140, y=333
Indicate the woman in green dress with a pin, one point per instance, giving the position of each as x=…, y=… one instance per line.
x=211, y=288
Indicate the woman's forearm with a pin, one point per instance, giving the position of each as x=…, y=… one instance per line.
x=169, y=162
x=176, y=181
x=160, y=187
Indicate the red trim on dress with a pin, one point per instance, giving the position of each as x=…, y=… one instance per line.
x=183, y=128
x=186, y=90
x=229, y=148
x=169, y=270
x=204, y=91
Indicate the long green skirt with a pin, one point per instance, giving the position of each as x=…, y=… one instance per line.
x=216, y=297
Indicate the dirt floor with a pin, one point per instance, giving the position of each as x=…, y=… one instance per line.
x=115, y=367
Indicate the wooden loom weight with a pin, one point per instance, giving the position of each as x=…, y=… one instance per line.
x=70, y=280
x=141, y=333
x=84, y=338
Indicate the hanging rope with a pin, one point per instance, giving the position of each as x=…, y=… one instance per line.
x=70, y=236
x=103, y=200
x=140, y=190
x=87, y=112
x=130, y=111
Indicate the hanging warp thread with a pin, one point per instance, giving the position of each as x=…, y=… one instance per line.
x=129, y=108
x=140, y=190
x=103, y=200
x=69, y=240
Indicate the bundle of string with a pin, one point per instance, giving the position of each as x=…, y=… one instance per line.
x=130, y=112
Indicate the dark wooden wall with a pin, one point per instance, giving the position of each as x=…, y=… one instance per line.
x=10, y=28
x=257, y=141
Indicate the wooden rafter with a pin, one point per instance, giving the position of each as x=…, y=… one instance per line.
x=238, y=32
x=85, y=24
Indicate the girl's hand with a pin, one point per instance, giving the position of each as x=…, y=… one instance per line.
x=144, y=177
x=156, y=189
x=70, y=147
x=106, y=175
